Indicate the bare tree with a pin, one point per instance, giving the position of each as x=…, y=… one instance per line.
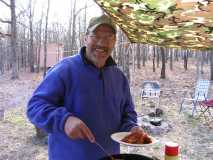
x=163, y=69
x=171, y=51
x=120, y=47
x=73, y=37
x=158, y=56
x=211, y=64
x=126, y=61
x=144, y=55
x=12, y=22
x=13, y=40
x=1, y=58
x=32, y=57
x=39, y=35
x=185, y=57
x=138, y=56
x=153, y=58
x=39, y=132
x=45, y=39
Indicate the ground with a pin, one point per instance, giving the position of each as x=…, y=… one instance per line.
x=17, y=134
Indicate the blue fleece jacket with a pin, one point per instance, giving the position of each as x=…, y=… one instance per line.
x=99, y=97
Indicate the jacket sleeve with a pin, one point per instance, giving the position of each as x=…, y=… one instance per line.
x=129, y=115
x=45, y=109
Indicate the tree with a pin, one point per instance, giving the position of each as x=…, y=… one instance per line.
x=185, y=57
x=126, y=70
x=138, y=56
x=14, y=40
x=158, y=56
x=153, y=58
x=45, y=39
x=13, y=37
x=171, y=51
x=1, y=58
x=38, y=37
x=163, y=68
x=211, y=64
x=144, y=55
x=32, y=56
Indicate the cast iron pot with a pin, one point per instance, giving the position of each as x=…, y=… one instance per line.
x=127, y=157
x=156, y=121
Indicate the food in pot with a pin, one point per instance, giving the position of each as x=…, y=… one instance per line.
x=137, y=138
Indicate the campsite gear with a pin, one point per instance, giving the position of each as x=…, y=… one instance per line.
x=156, y=121
x=205, y=109
x=171, y=151
x=200, y=94
x=151, y=90
x=128, y=157
x=102, y=148
x=169, y=23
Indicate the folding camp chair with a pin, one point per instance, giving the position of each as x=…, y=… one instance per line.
x=205, y=110
x=151, y=90
x=200, y=94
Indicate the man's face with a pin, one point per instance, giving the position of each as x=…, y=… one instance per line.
x=99, y=45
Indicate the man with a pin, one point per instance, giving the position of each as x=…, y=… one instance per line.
x=84, y=99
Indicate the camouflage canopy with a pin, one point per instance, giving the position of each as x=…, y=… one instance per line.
x=169, y=23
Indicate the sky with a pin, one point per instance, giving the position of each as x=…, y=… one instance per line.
x=59, y=9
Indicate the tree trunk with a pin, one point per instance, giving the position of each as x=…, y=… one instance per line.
x=211, y=64
x=45, y=40
x=143, y=55
x=39, y=132
x=126, y=63
x=31, y=38
x=73, y=37
x=138, y=55
x=163, y=69
x=1, y=59
x=158, y=56
x=185, y=59
x=14, y=41
x=119, y=49
x=153, y=59
x=39, y=45
x=176, y=54
x=202, y=62
x=171, y=51
x=198, y=64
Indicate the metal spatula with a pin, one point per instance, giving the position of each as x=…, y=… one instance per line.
x=104, y=151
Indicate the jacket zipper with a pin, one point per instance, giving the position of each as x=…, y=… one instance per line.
x=101, y=77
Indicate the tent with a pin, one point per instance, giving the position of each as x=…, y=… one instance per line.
x=170, y=23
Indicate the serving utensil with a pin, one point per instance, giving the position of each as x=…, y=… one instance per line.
x=102, y=148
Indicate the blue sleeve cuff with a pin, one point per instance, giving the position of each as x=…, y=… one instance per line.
x=64, y=118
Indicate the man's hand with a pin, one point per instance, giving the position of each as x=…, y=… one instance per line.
x=77, y=129
x=136, y=129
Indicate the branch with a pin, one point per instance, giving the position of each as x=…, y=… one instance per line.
x=22, y=24
x=4, y=34
x=82, y=9
x=21, y=13
x=5, y=3
x=4, y=21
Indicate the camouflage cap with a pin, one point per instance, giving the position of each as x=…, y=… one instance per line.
x=97, y=21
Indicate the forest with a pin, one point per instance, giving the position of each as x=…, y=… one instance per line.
x=25, y=36
x=22, y=39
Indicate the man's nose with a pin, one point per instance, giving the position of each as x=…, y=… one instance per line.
x=103, y=40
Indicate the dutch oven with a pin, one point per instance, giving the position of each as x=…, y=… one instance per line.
x=156, y=121
x=127, y=157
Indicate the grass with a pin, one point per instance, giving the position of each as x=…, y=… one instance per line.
x=18, y=140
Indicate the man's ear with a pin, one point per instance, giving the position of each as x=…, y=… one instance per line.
x=85, y=38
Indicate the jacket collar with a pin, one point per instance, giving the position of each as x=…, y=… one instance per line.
x=109, y=61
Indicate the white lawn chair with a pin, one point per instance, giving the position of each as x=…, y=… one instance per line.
x=200, y=94
x=151, y=90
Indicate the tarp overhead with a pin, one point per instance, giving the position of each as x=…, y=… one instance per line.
x=169, y=23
